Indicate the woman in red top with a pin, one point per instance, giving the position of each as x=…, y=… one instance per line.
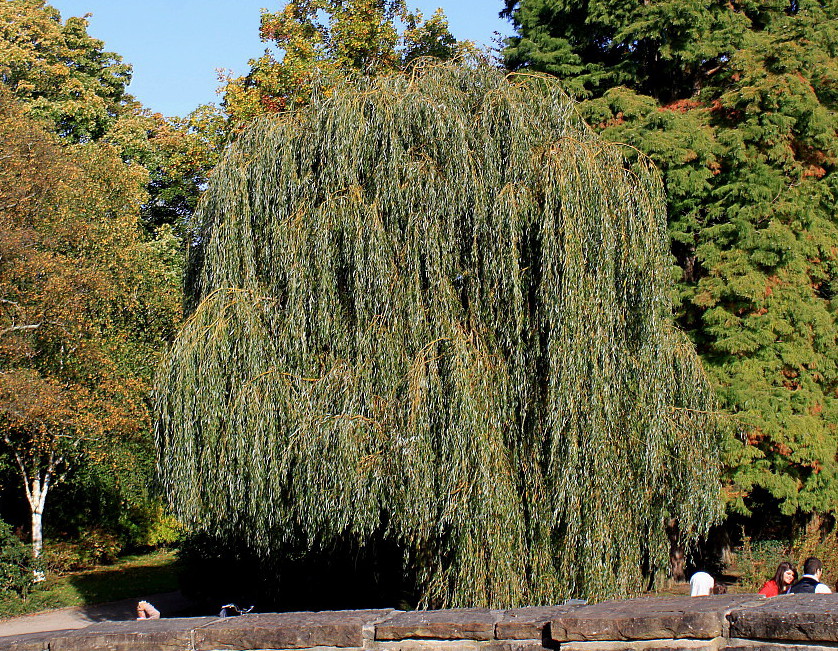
x=784, y=578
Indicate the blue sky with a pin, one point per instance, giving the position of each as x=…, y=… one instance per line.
x=176, y=46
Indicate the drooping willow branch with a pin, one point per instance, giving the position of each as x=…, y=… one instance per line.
x=439, y=305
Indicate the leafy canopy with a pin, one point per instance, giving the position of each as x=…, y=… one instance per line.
x=84, y=303
x=328, y=39
x=437, y=307
x=59, y=72
x=88, y=298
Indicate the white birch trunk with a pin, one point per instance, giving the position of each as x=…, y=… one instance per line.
x=37, y=544
x=37, y=528
x=36, y=484
x=37, y=495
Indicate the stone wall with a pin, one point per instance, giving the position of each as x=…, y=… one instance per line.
x=717, y=623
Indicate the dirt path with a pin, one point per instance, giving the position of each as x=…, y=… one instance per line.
x=170, y=604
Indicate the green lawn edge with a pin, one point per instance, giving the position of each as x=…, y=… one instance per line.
x=136, y=575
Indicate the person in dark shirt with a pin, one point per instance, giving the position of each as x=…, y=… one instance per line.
x=810, y=582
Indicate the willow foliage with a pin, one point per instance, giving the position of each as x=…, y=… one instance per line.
x=438, y=306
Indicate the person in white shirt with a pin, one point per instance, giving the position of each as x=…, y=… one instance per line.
x=810, y=582
x=701, y=584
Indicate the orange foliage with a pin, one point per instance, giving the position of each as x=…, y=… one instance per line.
x=324, y=40
x=682, y=105
x=616, y=120
x=783, y=450
x=755, y=436
x=815, y=171
x=70, y=265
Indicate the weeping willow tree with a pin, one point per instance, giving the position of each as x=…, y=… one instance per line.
x=436, y=306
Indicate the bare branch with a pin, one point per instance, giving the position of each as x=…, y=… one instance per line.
x=21, y=466
x=33, y=326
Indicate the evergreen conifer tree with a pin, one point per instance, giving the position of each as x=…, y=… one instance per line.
x=737, y=104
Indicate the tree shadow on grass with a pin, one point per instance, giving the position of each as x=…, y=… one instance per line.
x=111, y=594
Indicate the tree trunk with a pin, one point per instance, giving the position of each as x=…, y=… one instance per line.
x=814, y=525
x=37, y=544
x=37, y=495
x=677, y=554
x=36, y=484
x=37, y=535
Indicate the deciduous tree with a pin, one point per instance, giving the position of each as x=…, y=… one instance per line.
x=58, y=71
x=437, y=309
x=85, y=303
x=328, y=39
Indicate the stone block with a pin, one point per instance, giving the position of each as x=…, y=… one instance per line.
x=529, y=623
x=147, y=635
x=797, y=617
x=303, y=630
x=455, y=645
x=763, y=645
x=684, y=644
x=649, y=618
x=453, y=624
x=29, y=641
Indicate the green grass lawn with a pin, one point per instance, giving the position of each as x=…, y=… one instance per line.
x=130, y=576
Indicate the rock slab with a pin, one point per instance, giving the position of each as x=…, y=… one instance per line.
x=302, y=630
x=649, y=618
x=531, y=623
x=797, y=617
x=148, y=635
x=718, y=623
x=29, y=641
x=683, y=644
x=453, y=624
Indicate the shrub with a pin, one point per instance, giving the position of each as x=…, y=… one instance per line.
x=100, y=547
x=820, y=542
x=63, y=557
x=757, y=561
x=151, y=525
x=16, y=563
